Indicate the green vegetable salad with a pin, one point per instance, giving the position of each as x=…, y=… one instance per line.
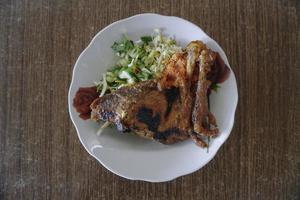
x=138, y=61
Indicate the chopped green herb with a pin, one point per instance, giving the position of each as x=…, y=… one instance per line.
x=146, y=39
x=215, y=87
x=123, y=46
x=208, y=140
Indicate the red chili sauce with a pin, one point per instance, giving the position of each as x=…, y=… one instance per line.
x=83, y=99
x=220, y=71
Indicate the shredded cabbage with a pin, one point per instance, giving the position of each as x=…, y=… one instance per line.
x=138, y=61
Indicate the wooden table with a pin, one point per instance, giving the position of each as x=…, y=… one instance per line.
x=40, y=154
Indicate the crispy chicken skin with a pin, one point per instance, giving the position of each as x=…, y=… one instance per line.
x=145, y=110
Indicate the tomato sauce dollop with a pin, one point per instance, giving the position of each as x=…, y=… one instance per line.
x=83, y=99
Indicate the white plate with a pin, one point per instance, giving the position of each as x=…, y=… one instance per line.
x=130, y=156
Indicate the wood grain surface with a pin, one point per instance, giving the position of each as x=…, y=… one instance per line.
x=40, y=154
